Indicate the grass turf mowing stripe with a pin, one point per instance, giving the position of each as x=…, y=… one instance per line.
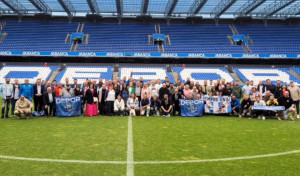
x=152, y=162
x=130, y=161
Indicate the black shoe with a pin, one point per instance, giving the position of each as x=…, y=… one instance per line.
x=7, y=117
x=2, y=117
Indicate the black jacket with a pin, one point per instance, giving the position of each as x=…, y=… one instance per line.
x=35, y=89
x=46, y=98
x=173, y=98
x=89, y=96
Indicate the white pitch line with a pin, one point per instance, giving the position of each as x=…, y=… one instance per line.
x=151, y=162
x=219, y=159
x=130, y=161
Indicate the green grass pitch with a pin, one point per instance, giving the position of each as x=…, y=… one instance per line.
x=154, y=139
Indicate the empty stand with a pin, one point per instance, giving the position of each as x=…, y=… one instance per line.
x=37, y=36
x=204, y=38
x=113, y=37
x=272, y=39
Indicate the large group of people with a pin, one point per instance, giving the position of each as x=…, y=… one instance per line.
x=138, y=97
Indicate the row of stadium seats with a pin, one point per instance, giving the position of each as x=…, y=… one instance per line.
x=130, y=37
x=81, y=73
x=276, y=39
x=37, y=36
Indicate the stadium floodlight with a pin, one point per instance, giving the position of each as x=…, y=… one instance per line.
x=196, y=7
x=289, y=13
x=68, y=7
x=248, y=7
x=170, y=7
x=41, y=6
x=144, y=7
x=15, y=6
x=119, y=4
x=275, y=7
x=221, y=8
x=93, y=6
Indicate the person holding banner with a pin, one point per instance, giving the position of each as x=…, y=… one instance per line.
x=259, y=114
x=287, y=102
x=166, y=106
x=91, y=101
x=176, y=103
x=235, y=105
x=49, y=102
x=246, y=106
x=272, y=102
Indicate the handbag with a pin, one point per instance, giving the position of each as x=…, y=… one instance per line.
x=95, y=99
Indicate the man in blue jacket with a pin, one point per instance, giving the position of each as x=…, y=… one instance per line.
x=27, y=90
x=235, y=105
x=6, y=93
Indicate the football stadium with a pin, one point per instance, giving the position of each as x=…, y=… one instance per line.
x=150, y=87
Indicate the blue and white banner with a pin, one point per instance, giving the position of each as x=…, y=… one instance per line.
x=269, y=108
x=217, y=104
x=68, y=107
x=169, y=55
x=191, y=108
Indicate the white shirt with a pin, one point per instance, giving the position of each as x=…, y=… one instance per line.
x=111, y=96
x=16, y=93
x=260, y=103
x=39, y=89
x=50, y=97
x=246, y=89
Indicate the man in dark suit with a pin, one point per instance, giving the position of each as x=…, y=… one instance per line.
x=38, y=90
x=49, y=102
x=176, y=103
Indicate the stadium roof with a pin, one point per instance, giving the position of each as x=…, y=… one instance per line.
x=213, y=9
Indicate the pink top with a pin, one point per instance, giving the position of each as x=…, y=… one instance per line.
x=186, y=92
x=147, y=92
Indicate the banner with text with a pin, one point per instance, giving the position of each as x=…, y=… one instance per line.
x=217, y=104
x=68, y=107
x=191, y=108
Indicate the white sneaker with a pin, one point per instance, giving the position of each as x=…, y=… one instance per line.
x=279, y=118
x=298, y=116
x=292, y=118
x=263, y=117
x=168, y=115
x=259, y=117
x=240, y=116
x=147, y=115
x=164, y=115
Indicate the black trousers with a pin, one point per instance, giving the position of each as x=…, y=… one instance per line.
x=51, y=110
x=176, y=108
x=102, y=108
x=110, y=107
x=38, y=103
x=5, y=106
x=13, y=104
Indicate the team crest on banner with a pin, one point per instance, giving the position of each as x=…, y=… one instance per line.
x=68, y=107
x=217, y=104
x=191, y=108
